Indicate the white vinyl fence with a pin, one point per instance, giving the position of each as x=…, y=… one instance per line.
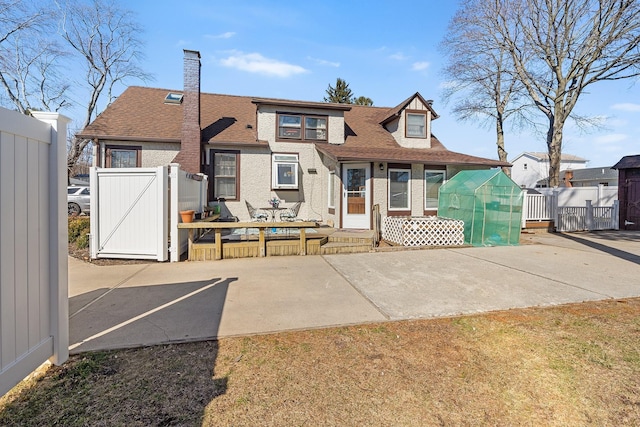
x=34, y=310
x=572, y=209
x=588, y=218
x=134, y=211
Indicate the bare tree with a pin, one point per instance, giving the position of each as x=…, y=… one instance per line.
x=482, y=84
x=106, y=37
x=560, y=47
x=30, y=58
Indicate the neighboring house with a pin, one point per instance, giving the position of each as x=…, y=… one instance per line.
x=530, y=167
x=587, y=177
x=338, y=159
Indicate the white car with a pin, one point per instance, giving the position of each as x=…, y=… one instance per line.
x=78, y=200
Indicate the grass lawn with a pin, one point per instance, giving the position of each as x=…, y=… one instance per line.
x=571, y=365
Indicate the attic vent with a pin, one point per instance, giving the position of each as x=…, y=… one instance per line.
x=173, y=98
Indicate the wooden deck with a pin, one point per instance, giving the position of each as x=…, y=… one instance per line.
x=222, y=244
x=265, y=244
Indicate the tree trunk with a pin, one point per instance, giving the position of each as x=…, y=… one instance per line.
x=554, y=145
x=502, y=153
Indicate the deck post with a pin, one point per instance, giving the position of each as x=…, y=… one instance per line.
x=218, y=243
x=261, y=242
x=303, y=241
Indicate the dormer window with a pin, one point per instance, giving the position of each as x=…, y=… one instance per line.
x=416, y=126
x=302, y=127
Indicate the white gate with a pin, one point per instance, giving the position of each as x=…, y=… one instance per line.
x=34, y=310
x=129, y=213
x=134, y=211
x=589, y=217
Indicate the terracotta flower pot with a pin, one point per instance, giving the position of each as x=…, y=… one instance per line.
x=187, y=216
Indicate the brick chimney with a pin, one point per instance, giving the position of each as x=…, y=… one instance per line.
x=568, y=176
x=190, y=144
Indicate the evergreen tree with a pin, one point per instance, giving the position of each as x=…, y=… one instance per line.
x=362, y=100
x=340, y=94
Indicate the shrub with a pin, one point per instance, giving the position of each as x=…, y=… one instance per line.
x=79, y=229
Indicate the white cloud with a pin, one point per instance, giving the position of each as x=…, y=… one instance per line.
x=226, y=35
x=324, y=62
x=420, y=66
x=399, y=56
x=629, y=107
x=256, y=63
x=612, y=138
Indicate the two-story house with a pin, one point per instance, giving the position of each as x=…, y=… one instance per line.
x=339, y=160
x=529, y=168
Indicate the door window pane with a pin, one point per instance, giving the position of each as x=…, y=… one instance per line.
x=399, y=189
x=356, y=190
x=432, y=182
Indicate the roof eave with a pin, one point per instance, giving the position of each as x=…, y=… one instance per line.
x=125, y=138
x=301, y=104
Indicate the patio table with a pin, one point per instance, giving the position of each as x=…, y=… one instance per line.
x=273, y=210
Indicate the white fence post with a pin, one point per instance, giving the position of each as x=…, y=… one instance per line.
x=588, y=222
x=58, y=235
x=174, y=233
x=615, y=219
x=525, y=209
x=554, y=207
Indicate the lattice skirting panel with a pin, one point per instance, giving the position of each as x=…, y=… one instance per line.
x=423, y=231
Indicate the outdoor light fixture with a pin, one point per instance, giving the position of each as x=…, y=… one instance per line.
x=381, y=166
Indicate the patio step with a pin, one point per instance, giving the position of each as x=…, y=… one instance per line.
x=332, y=248
x=350, y=239
x=347, y=243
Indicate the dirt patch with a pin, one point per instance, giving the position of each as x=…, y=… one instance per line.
x=84, y=255
x=572, y=365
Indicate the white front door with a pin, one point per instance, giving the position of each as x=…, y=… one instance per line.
x=356, y=197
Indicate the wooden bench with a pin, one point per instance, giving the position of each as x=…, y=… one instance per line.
x=194, y=227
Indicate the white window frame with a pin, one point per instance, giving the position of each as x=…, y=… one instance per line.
x=404, y=208
x=282, y=159
x=444, y=179
x=331, y=190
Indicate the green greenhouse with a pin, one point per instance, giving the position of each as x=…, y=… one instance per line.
x=489, y=203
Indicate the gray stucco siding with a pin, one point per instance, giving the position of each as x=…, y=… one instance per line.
x=268, y=125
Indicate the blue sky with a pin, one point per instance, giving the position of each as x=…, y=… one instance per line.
x=385, y=50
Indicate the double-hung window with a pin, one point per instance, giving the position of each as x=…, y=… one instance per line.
x=399, y=189
x=416, y=125
x=433, y=179
x=225, y=174
x=302, y=127
x=284, y=171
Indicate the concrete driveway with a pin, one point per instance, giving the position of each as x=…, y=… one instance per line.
x=144, y=304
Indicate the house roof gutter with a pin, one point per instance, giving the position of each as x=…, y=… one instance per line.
x=126, y=138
